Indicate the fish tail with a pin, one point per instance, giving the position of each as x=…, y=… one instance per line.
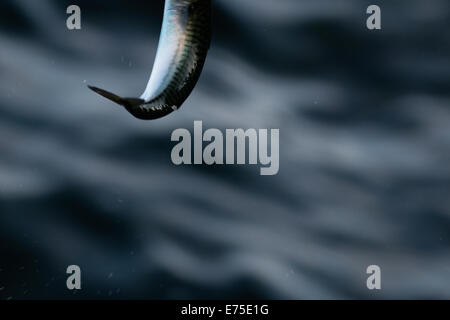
x=109, y=95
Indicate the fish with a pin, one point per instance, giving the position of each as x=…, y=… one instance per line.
x=183, y=46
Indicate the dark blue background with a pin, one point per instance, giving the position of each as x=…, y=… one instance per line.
x=364, y=172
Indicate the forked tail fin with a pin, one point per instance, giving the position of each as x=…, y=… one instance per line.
x=109, y=95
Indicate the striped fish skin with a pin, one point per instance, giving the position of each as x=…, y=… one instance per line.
x=183, y=46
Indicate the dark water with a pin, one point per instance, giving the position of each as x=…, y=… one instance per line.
x=364, y=146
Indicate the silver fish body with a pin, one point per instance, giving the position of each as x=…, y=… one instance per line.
x=183, y=46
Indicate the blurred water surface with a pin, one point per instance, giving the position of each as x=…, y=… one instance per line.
x=364, y=175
